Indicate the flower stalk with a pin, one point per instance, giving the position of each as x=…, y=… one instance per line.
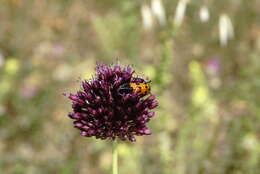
x=114, y=158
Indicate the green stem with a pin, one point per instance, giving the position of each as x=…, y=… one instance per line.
x=115, y=158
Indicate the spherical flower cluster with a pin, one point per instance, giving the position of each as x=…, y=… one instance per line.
x=100, y=109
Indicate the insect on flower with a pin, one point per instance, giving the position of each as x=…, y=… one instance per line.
x=136, y=85
x=113, y=104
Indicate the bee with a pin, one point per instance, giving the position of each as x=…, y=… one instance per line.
x=137, y=85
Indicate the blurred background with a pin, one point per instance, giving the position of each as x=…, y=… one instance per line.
x=202, y=56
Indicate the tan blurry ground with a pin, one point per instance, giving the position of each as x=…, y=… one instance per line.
x=203, y=58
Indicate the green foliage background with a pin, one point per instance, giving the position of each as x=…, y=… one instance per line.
x=207, y=123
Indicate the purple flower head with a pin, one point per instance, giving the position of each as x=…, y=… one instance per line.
x=213, y=66
x=102, y=110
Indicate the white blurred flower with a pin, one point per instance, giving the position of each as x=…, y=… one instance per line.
x=180, y=12
x=147, y=17
x=158, y=11
x=204, y=14
x=226, y=30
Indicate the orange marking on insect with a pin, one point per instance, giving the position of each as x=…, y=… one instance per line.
x=143, y=88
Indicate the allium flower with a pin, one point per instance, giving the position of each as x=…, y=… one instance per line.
x=102, y=110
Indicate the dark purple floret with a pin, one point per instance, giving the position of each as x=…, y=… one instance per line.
x=100, y=110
